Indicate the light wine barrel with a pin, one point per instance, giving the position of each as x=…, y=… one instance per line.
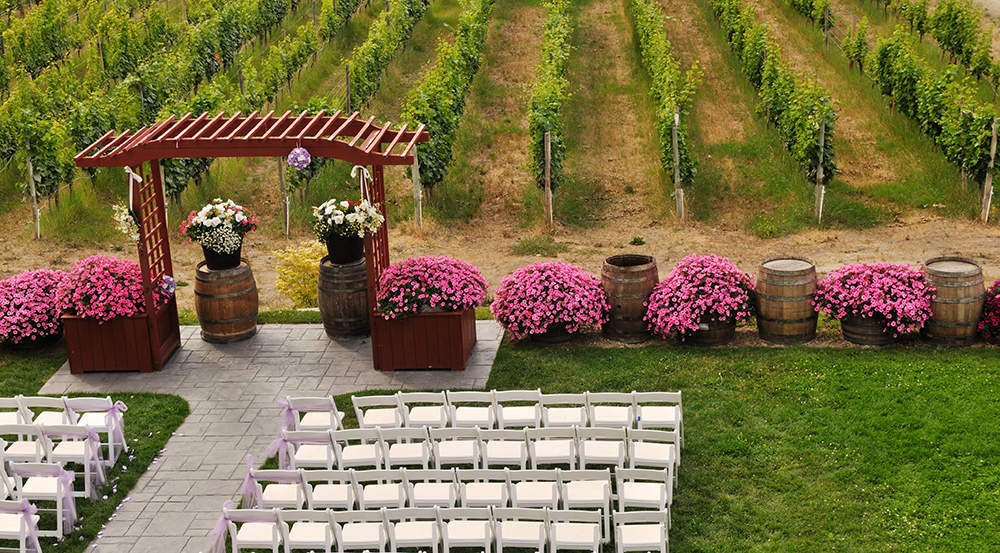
x=343, y=298
x=226, y=303
x=784, y=294
x=628, y=280
x=959, y=303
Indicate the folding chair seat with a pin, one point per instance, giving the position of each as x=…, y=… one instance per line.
x=564, y=410
x=306, y=529
x=522, y=528
x=432, y=488
x=253, y=528
x=552, y=446
x=484, y=488
x=12, y=412
x=466, y=527
x=329, y=489
x=304, y=449
x=18, y=522
x=46, y=411
x=432, y=409
x=106, y=417
x=283, y=489
x=381, y=488
x=601, y=446
x=642, y=531
x=525, y=410
x=659, y=410
x=405, y=446
x=311, y=413
x=413, y=527
x=47, y=482
x=472, y=409
x=654, y=449
x=611, y=409
x=27, y=445
x=73, y=444
x=456, y=446
x=504, y=448
x=357, y=447
x=378, y=411
x=645, y=489
x=587, y=489
x=577, y=530
x=359, y=530
x=534, y=489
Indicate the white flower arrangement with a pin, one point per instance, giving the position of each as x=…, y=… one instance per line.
x=218, y=223
x=222, y=240
x=345, y=218
x=124, y=221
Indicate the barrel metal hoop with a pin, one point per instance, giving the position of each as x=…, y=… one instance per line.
x=958, y=300
x=802, y=320
x=343, y=290
x=963, y=284
x=946, y=324
x=229, y=321
x=783, y=298
x=787, y=282
x=243, y=292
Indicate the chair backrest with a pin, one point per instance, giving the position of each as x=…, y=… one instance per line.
x=277, y=476
x=428, y=475
x=29, y=430
x=641, y=517
x=504, y=396
x=14, y=403
x=574, y=516
x=518, y=513
x=564, y=399
x=378, y=475
x=465, y=513
x=309, y=404
x=662, y=436
x=436, y=398
x=363, y=402
x=533, y=475
x=439, y=434
x=43, y=402
x=669, y=398
x=347, y=517
x=402, y=434
x=598, y=433
x=325, y=476
x=362, y=435
x=511, y=435
x=302, y=515
x=307, y=436
x=550, y=433
x=584, y=475
x=474, y=396
x=482, y=475
x=89, y=404
x=251, y=515
x=644, y=475
x=615, y=398
x=411, y=513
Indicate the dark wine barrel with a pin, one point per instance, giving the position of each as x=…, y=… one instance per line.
x=866, y=331
x=959, y=302
x=784, y=295
x=226, y=302
x=343, y=298
x=713, y=334
x=628, y=280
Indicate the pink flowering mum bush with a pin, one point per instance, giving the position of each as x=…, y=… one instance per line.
x=989, y=326
x=700, y=289
x=105, y=288
x=28, y=310
x=439, y=283
x=898, y=293
x=538, y=296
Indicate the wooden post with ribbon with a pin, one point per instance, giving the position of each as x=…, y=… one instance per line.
x=549, y=219
x=678, y=186
x=418, y=191
x=988, y=185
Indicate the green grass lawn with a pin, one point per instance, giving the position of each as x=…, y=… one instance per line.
x=149, y=422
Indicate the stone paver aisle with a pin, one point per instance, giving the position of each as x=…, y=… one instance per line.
x=232, y=389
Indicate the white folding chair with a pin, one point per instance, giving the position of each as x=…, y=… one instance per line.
x=524, y=409
x=73, y=444
x=471, y=409
x=304, y=449
x=522, y=528
x=504, y=448
x=564, y=410
x=381, y=488
x=253, y=528
x=431, y=409
x=552, y=446
x=601, y=446
x=456, y=446
x=466, y=527
x=330, y=489
x=306, y=529
x=18, y=522
x=359, y=530
x=654, y=449
x=587, y=489
x=659, y=410
x=612, y=409
x=645, y=489
x=378, y=411
x=432, y=488
x=11, y=411
x=311, y=413
x=642, y=531
x=357, y=447
x=106, y=417
x=578, y=530
x=483, y=488
x=47, y=482
x=6, y=484
x=413, y=527
x=405, y=447
x=27, y=445
x=46, y=411
x=284, y=489
x=534, y=489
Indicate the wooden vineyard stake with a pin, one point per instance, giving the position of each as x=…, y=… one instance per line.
x=820, y=190
x=347, y=87
x=826, y=28
x=284, y=193
x=314, y=12
x=35, y=215
x=988, y=186
x=678, y=187
x=418, y=191
x=548, y=181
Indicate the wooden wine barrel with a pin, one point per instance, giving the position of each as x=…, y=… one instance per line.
x=866, y=331
x=226, y=302
x=628, y=280
x=713, y=334
x=343, y=298
x=959, y=302
x=785, y=287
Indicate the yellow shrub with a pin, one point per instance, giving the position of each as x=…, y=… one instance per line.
x=298, y=273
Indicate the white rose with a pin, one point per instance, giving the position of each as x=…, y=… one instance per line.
x=345, y=204
x=338, y=219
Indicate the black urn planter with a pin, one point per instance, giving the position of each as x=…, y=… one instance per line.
x=218, y=261
x=555, y=333
x=344, y=249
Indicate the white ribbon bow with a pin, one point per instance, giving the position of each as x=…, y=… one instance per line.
x=363, y=179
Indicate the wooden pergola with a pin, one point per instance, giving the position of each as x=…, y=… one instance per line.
x=331, y=135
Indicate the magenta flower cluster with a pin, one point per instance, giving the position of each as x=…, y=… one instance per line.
x=989, y=325
x=700, y=289
x=436, y=283
x=28, y=308
x=898, y=293
x=105, y=288
x=538, y=296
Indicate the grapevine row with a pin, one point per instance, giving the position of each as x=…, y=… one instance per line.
x=389, y=33
x=549, y=93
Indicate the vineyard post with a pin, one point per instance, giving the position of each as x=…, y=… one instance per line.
x=347, y=87
x=284, y=193
x=678, y=187
x=34, y=201
x=548, y=180
x=826, y=29
x=418, y=191
x=314, y=13
x=820, y=190
x=988, y=186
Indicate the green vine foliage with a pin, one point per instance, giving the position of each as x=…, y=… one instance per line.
x=915, y=13
x=799, y=108
x=389, y=33
x=856, y=45
x=672, y=90
x=815, y=10
x=438, y=101
x=956, y=26
x=549, y=93
x=334, y=14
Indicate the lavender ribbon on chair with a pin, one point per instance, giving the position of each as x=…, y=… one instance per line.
x=279, y=446
x=66, y=478
x=114, y=422
x=219, y=532
x=249, y=490
x=287, y=415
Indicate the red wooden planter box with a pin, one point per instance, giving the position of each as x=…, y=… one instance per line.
x=125, y=344
x=424, y=341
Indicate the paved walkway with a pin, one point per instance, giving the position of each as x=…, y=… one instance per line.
x=232, y=390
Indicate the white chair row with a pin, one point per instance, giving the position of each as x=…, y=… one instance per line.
x=434, y=528
x=58, y=444
x=48, y=482
x=102, y=414
x=19, y=522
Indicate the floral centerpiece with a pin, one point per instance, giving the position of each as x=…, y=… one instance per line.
x=896, y=297
x=989, y=325
x=342, y=226
x=422, y=284
x=29, y=313
x=551, y=298
x=219, y=227
x=105, y=288
x=701, y=293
